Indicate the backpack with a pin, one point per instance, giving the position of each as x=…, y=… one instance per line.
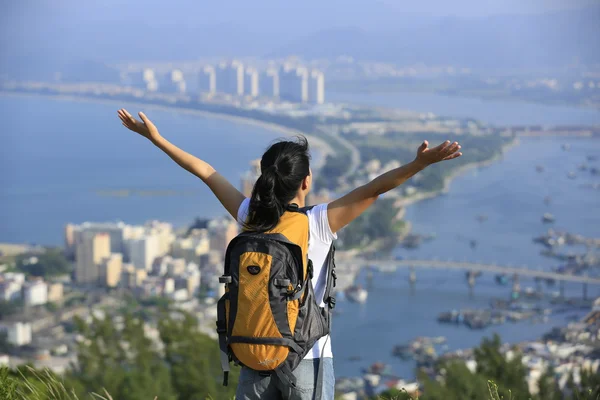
x=268, y=319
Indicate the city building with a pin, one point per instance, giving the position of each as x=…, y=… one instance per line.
x=191, y=247
x=293, y=84
x=119, y=232
x=55, y=292
x=18, y=333
x=132, y=277
x=249, y=178
x=269, y=83
x=143, y=251
x=10, y=290
x=170, y=266
x=90, y=249
x=251, y=83
x=316, y=89
x=191, y=278
x=207, y=80
x=146, y=79
x=220, y=232
x=35, y=293
x=164, y=233
x=70, y=241
x=110, y=270
x=172, y=82
x=230, y=78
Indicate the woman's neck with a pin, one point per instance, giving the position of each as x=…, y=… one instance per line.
x=299, y=199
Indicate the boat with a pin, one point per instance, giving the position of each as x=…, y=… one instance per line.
x=539, y=168
x=571, y=175
x=592, y=158
x=501, y=279
x=547, y=200
x=566, y=146
x=378, y=368
x=356, y=294
x=403, y=351
x=473, y=243
x=482, y=217
x=548, y=218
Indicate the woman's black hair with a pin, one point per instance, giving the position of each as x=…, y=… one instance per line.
x=283, y=167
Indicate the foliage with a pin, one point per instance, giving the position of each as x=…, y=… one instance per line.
x=9, y=307
x=378, y=222
x=124, y=362
x=50, y=263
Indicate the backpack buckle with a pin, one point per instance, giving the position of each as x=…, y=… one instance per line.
x=331, y=302
x=225, y=279
x=221, y=327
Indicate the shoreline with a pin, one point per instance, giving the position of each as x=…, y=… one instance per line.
x=405, y=202
x=508, y=99
x=324, y=148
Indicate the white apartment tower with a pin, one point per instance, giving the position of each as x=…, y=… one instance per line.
x=252, y=87
x=316, y=90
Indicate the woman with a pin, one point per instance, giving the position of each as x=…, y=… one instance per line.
x=286, y=178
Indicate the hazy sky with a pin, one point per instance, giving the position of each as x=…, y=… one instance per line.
x=470, y=8
x=115, y=30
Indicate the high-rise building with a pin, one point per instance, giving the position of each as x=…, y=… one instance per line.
x=70, y=241
x=230, y=78
x=251, y=83
x=143, y=251
x=269, y=83
x=293, y=84
x=249, y=178
x=164, y=233
x=146, y=79
x=35, y=293
x=207, y=80
x=172, y=82
x=110, y=270
x=316, y=89
x=221, y=231
x=118, y=232
x=90, y=249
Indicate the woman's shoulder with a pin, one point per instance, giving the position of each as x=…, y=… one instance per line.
x=319, y=223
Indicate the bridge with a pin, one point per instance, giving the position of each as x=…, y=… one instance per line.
x=516, y=272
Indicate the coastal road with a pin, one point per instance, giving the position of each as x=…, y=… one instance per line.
x=332, y=131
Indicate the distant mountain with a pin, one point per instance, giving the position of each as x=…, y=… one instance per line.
x=504, y=41
x=42, y=37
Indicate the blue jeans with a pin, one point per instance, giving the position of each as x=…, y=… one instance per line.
x=253, y=386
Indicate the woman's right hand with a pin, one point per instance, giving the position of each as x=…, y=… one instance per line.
x=445, y=151
x=145, y=127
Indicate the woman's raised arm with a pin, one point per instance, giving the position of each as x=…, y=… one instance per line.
x=347, y=208
x=228, y=195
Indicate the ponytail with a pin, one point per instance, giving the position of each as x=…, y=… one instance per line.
x=283, y=167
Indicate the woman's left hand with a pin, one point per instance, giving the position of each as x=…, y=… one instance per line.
x=145, y=127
